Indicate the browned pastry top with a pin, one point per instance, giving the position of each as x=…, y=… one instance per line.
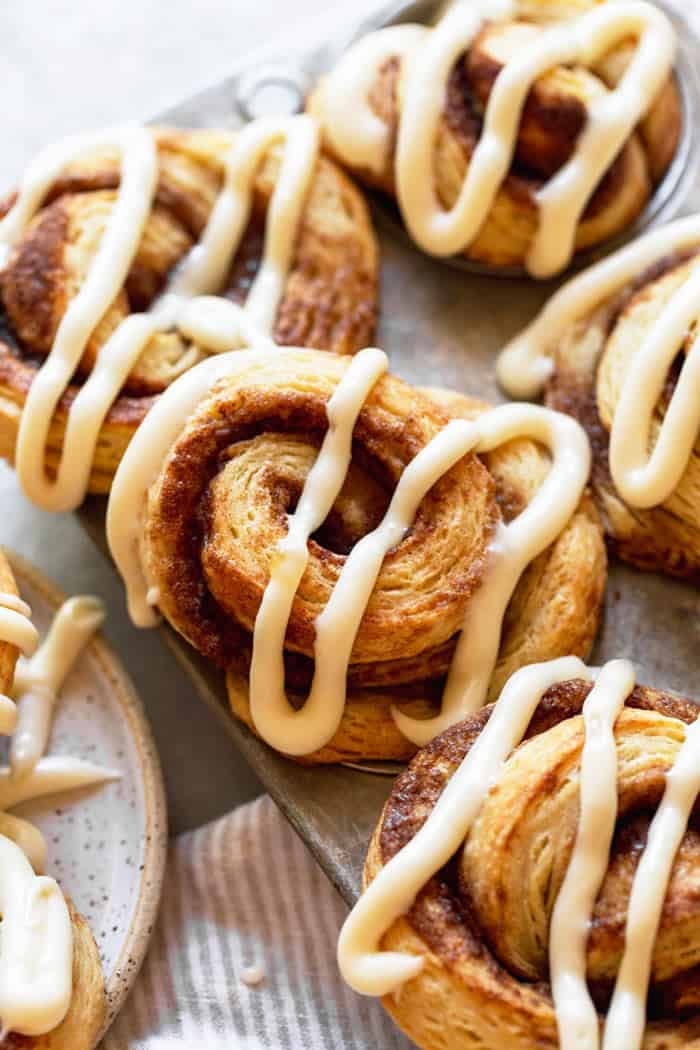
x=590, y=365
x=330, y=299
x=553, y=117
x=486, y=915
x=220, y=507
x=220, y=504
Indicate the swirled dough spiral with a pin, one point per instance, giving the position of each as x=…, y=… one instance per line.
x=595, y=355
x=481, y=925
x=218, y=509
x=329, y=297
x=505, y=157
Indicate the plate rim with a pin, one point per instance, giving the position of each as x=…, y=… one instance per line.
x=127, y=966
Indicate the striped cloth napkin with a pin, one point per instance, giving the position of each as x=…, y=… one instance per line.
x=243, y=955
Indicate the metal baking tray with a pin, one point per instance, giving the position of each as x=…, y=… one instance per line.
x=439, y=325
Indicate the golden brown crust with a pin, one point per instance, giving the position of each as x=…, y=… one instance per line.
x=590, y=365
x=555, y=608
x=239, y=467
x=554, y=115
x=220, y=505
x=83, y=1023
x=367, y=732
x=481, y=924
x=330, y=299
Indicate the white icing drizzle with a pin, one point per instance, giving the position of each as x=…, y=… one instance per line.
x=513, y=547
x=351, y=126
x=215, y=324
x=14, y=602
x=626, y=1016
x=47, y=167
x=50, y=775
x=610, y=120
x=284, y=212
x=568, y=933
x=428, y=56
x=525, y=364
x=219, y=325
x=391, y=894
x=37, y=684
x=372, y=971
x=141, y=464
x=106, y=276
x=642, y=479
x=36, y=946
x=29, y=839
x=17, y=629
x=298, y=732
x=36, y=950
x=16, y=626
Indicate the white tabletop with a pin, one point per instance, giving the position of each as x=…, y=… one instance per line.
x=69, y=65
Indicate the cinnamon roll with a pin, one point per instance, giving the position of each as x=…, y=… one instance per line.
x=532, y=881
x=311, y=523
x=128, y=256
x=617, y=349
x=515, y=133
x=80, y=1028
x=51, y=984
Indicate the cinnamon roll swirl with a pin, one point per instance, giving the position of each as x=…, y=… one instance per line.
x=514, y=133
x=319, y=526
x=541, y=893
x=111, y=253
x=51, y=984
x=619, y=345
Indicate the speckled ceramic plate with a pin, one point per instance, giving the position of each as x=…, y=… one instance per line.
x=107, y=845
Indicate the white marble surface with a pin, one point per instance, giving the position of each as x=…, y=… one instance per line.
x=68, y=65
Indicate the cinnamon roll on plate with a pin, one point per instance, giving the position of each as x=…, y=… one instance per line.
x=129, y=255
x=532, y=882
x=513, y=133
x=349, y=548
x=617, y=348
x=51, y=984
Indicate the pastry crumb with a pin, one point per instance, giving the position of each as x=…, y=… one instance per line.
x=252, y=975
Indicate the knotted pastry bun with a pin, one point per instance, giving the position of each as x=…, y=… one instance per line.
x=389, y=72
x=218, y=509
x=481, y=924
x=328, y=300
